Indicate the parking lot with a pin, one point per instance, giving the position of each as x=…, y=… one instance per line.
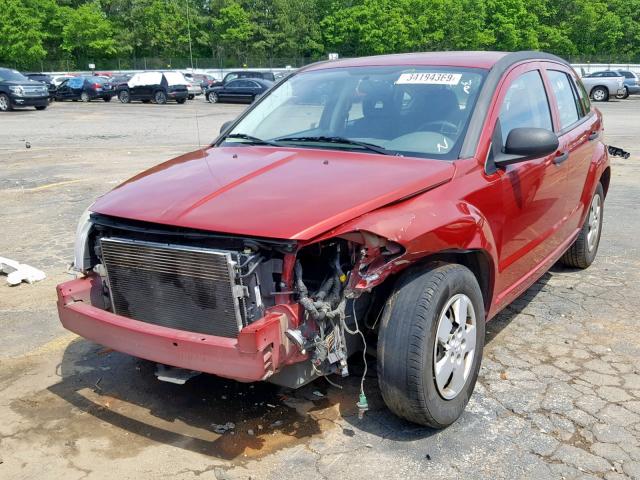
x=558, y=394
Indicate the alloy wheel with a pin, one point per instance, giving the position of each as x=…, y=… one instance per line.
x=455, y=346
x=595, y=212
x=4, y=103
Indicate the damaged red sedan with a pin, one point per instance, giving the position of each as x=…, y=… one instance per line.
x=397, y=202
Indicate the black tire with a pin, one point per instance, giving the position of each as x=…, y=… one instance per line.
x=406, y=344
x=212, y=97
x=160, y=97
x=624, y=95
x=124, y=96
x=43, y=107
x=191, y=97
x=5, y=103
x=181, y=100
x=84, y=96
x=146, y=101
x=106, y=99
x=600, y=94
x=583, y=252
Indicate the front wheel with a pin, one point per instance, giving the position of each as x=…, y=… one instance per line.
x=622, y=96
x=124, y=96
x=42, y=107
x=5, y=102
x=191, y=97
x=212, y=97
x=160, y=97
x=106, y=99
x=430, y=344
x=600, y=94
x=585, y=248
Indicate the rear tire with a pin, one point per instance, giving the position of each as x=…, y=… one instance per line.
x=191, y=97
x=181, y=100
x=430, y=344
x=624, y=95
x=585, y=248
x=43, y=107
x=124, y=96
x=600, y=94
x=106, y=99
x=160, y=97
x=84, y=96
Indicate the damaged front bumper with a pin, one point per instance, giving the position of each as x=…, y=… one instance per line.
x=259, y=351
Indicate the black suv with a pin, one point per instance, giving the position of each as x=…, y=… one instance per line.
x=46, y=79
x=16, y=90
x=158, y=87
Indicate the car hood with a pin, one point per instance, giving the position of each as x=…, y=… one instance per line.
x=23, y=83
x=282, y=193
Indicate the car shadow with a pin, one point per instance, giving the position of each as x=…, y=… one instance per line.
x=123, y=392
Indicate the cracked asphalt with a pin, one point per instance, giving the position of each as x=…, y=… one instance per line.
x=558, y=395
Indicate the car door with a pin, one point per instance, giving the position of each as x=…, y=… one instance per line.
x=231, y=91
x=253, y=90
x=63, y=89
x=578, y=131
x=531, y=193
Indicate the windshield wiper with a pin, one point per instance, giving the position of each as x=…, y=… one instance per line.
x=251, y=139
x=345, y=141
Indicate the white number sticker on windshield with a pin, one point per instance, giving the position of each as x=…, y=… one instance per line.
x=430, y=78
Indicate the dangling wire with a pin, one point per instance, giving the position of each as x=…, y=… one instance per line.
x=364, y=342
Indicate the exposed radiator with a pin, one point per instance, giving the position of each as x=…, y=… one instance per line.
x=185, y=288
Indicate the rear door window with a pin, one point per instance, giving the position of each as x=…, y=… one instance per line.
x=569, y=107
x=525, y=105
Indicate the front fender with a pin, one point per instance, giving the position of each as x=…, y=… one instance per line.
x=424, y=226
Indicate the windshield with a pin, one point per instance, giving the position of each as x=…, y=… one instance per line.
x=7, y=75
x=412, y=111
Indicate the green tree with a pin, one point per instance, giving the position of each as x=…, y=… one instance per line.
x=22, y=34
x=87, y=32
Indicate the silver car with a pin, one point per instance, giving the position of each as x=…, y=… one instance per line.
x=603, y=85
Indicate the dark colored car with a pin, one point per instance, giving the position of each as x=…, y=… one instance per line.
x=238, y=91
x=398, y=215
x=46, y=79
x=245, y=74
x=631, y=83
x=158, y=87
x=16, y=90
x=85, y=89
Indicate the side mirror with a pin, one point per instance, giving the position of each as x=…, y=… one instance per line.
x=225, y=125
x=525, y=144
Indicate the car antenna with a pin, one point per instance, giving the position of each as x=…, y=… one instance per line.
x=191, y=60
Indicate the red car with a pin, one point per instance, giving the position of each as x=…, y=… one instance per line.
x=399, y=200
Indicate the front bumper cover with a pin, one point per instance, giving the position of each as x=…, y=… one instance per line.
x=256, y=354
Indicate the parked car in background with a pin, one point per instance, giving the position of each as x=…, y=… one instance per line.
x=603, y=85
x=16, y=90
x=193, y=86
x=85, y=89
x=419, y=200
x=631, y=83
x=202, y=80
x=46, y=79
x=245, y=74
x=244, y=90
x=120, y=78
x=58, y=79
x=159, y=87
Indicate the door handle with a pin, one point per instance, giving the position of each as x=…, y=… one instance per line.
x=593, y=136
x=560, y=157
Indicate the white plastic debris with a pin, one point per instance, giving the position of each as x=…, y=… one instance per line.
x=19, y=272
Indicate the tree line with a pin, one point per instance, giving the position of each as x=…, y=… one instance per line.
x=34, y=31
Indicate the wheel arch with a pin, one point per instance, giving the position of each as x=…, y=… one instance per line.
x=605, y=180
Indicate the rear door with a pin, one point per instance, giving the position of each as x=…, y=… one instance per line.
x=532, y=192
x=578, y=130
x=232, y=91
